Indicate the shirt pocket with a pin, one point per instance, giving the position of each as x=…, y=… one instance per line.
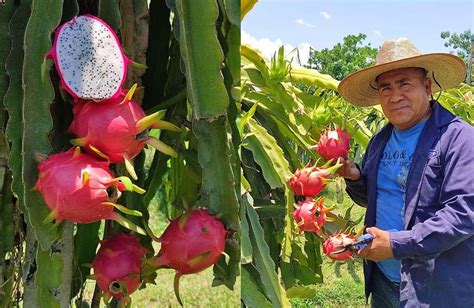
x=432, y=178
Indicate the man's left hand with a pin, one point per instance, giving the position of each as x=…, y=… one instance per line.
x=380, y=248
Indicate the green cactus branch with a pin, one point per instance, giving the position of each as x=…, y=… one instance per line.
x=206, y=89
x=37, y=124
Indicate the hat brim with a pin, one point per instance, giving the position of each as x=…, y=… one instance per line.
x=357, y=88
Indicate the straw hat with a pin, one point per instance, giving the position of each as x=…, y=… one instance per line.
x=358, y=88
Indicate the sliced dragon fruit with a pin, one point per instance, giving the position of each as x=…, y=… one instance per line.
x=89, y=59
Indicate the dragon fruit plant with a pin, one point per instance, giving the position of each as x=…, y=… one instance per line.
x=334, y=243
x=334, y=144
x=117, y=130
x=89, y=59
x=191, y=243
x=81, y=189
x=118, y=266
x=310, y=215
x=310, y=181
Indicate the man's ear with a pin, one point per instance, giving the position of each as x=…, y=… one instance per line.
x=427, y=85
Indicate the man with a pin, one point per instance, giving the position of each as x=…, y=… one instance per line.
x=416, y=180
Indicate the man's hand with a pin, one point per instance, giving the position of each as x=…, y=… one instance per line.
x=348, y=169
x=380, y=248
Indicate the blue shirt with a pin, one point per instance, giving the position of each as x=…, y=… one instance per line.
x=391, y=186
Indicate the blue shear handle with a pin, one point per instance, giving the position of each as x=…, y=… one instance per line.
x=362, y=241
x=365, y=239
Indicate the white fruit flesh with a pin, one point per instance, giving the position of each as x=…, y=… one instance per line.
x=89, y=59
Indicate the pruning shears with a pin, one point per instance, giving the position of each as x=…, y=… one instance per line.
x=360, y=243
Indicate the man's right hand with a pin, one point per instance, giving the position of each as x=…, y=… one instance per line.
x=348, y=169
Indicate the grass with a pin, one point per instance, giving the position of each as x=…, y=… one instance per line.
x=343, y=286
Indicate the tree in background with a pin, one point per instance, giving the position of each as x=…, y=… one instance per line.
x=344, y=58
x=463, y=44
x=459, y=42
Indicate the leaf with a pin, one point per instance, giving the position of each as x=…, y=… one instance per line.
x=85, y=246
x=13, y=100
x=301, y=292
x=158, y=55
x=245, y=244
x=247, y=116
x=262, y=260
x=7, y=221
x=309, y=77
x=109, y=11
x=70, y=9
x=5, y=15
x=254, y=76
x=251, y=294
x=47, y=278
x=364, y=128
x=268, y=154
x=257, y=58
x=232, y=8
x=218, y=191
x=37, y=122
x=286, y=247
x=232, y=58
x=206, y=89
x=245, y=7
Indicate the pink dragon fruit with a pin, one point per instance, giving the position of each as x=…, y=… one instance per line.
x=310, y=215
x=117, y=130
x=89, y=59
x=310, y=181
x=81, y=189
x=334, y=243
x=118, y=266
x=334, y=144
x=191, y=243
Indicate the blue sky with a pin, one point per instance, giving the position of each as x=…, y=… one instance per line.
x=323, y=23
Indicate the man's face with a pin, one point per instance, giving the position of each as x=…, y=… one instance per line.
x=404, y=96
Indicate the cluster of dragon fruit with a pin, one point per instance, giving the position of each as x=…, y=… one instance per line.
x=311, y=214
x=111, y=127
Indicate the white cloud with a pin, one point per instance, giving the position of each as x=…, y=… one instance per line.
x=298, y=55
x=325, y=15
x=300, y=21
x=377, y=33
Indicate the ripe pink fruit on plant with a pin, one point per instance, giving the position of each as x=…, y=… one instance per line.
x=310, y=181
x=311, y=215
x=117, y=130
x=81, y=189
x=89, y=59
x=334, y=144
x=191, y=243
x=117, y=266
x=334, y=243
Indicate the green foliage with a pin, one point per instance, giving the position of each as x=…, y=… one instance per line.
x=461, y=43
x=460, y=101
x=344, y=58
x=280, y=124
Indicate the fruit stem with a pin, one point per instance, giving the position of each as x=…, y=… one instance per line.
x=176, y=288
x=138, y=65
x=334, y=168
